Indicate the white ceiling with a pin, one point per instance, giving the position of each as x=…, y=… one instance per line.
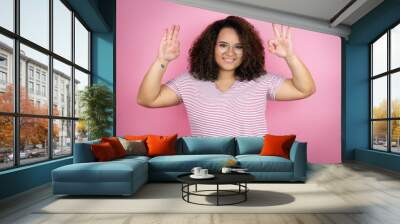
x=315, y=15
x=321, y=9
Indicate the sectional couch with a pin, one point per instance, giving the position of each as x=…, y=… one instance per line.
x=126, y=175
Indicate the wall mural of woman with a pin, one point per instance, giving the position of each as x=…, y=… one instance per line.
x=226, y=89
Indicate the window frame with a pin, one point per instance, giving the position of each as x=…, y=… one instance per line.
x=388, y=74
x=16, y=115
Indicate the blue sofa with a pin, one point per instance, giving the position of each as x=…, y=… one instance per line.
x=126, y=175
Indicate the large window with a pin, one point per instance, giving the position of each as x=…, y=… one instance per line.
x=44, y=64
x=385, y=91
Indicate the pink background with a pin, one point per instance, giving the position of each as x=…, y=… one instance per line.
x=140, y=25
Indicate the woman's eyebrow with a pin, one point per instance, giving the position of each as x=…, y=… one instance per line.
x=224, y=42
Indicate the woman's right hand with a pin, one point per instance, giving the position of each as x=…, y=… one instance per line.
x=169, y=46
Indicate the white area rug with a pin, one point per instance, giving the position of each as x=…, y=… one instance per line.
x=166, y=198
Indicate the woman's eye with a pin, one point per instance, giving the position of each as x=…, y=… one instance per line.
x=223, y=45
x=239, y=47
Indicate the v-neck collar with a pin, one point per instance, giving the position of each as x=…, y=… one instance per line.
x=227, y=90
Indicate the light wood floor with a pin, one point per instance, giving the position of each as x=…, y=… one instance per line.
x=354, y=182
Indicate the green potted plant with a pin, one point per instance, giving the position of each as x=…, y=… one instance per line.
x=96, y=102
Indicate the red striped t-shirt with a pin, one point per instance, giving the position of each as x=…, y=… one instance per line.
x=238, y=111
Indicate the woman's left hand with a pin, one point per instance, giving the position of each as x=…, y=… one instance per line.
x=281, y=45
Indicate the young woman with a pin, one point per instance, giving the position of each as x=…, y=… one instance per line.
x=226, y=88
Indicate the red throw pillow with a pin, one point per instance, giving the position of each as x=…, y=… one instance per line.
x=161, y=145
x=116, y=145
x=103, y=151
x=275, y=145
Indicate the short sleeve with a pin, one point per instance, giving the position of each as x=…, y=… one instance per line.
x=176, y=85
x=272, y=83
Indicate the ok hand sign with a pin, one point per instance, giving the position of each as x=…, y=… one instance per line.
x=281, y=45
x=169, y=46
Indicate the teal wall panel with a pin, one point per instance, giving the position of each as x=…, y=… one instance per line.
x=24, y=178
x=356, y=74
x=377, y=158
x=103, y=62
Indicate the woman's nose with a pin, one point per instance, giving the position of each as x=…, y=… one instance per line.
x=231, y=50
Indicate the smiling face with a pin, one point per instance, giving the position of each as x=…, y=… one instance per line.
x=228, y=50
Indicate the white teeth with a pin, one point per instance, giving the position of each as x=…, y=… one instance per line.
x=229, y=60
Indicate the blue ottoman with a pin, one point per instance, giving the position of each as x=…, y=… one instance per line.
x=118, y=177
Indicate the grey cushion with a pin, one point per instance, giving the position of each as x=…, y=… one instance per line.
x=134, y=147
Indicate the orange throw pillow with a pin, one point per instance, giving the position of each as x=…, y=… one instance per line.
x=161, y=145
x=275, y=145
x=116, y=145
x=103, y=151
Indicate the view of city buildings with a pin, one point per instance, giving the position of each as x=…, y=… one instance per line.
x=34, y=99
x=44, y=117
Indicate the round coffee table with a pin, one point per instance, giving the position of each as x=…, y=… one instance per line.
x=238, y=179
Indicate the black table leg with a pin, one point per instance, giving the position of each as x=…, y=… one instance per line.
x=245, y=193
x=217, y=194
x=182, y=190
x=243, y=189
x=188, y=189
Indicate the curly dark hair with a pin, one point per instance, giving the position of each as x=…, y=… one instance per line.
x=202, y=61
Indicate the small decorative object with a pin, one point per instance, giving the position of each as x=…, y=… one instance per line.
x=231, y=163
x=226, y=170
x=200, y=173
x=196, y=170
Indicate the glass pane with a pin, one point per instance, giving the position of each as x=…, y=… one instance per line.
x=395, y=136
x=6, y=142
x=7, y=14
x=81, y=45
x=35, y=21
x=395, y=47
x=81, y=131
x=33, y=139
x=81, y=81
x=34, y=97
x=62, y=29
x=395, y=94
x=379, y=100
x=379, y=55
x=379, y=135
x=62, y=89
x=6, y=74
x=62, y=138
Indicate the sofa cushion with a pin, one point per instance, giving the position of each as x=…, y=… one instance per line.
x=134, y=147
x=257, y=163
x=111, y=171
x=277, y=145
x=83, y=152
x=132, y=158
x=116, y=145
x=185, y=163
x=206, y=145
x=103, y=152
x=161, y=145
x=249, y=145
